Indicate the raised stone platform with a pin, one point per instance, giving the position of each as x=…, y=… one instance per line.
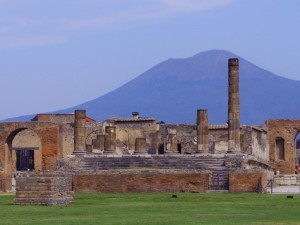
x=89, y=168
x=93, y=162
x=43, y=188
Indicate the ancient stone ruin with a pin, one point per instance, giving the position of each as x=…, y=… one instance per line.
x=54, y=155
x=44, y=188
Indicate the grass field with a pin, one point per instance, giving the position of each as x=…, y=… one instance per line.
x=141, y=209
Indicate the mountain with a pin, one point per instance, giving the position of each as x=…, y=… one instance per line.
x=173, y=90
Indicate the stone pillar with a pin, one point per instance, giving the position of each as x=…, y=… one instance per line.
x=140, y=146
x=233, y=106
x=172, y=142
x=202, y=131
x=157, y=138
x=110, y=140
x=98, y=144
x=79, y=131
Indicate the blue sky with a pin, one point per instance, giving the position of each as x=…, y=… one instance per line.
x=59, y=53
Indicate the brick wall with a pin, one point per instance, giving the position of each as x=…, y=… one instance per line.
x=44, y=188
x=44, y=159
x=144, y=181
x=287, y=130
x=247, y=181
x=5, y=183
x=55, y=118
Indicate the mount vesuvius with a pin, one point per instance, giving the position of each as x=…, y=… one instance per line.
x=173, y=90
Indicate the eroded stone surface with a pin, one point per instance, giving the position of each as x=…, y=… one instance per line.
x=43, y=188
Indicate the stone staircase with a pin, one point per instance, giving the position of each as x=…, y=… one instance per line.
x=218, y=181
x=153, y=162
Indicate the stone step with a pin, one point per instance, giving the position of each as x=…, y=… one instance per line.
x=102, y=163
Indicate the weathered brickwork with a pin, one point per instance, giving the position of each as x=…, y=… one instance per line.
x=45, y=158
x=247, y=181
x=285, y=130
x=5, y=182
x=254, y=141
x=143, y=181
x=44, y=188
x=55, y=118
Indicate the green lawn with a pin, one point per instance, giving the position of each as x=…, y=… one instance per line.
x=188, y=208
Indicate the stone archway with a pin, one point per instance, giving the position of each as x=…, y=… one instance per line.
x=26, y=151
x=297, y=151
x=281, y=137
x=44, y=159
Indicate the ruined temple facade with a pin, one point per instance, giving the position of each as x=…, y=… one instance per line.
x=139, y=154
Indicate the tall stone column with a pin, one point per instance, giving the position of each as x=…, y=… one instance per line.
x=233, y=106
x=80, y=131
x=140, y=146
x=202, y=131
x=110, y=141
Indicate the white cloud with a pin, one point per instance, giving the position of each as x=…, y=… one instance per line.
x=36, y=23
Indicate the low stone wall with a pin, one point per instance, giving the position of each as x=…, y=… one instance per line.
x=141, y=181
x=44, y=188
x=286, y=180
x=247, y=181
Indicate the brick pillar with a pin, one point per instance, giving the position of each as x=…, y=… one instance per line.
x=202, y=131
x=140, y=146
x=79, y=131
x=110, y=140
x=233, y=106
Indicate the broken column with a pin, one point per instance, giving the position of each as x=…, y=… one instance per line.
x=233, y=106
x=98, y=144
x=157, y=138
x=140, y=146
x=79, y=131
x=172, y=142
x=202, y=131
x=110, y=140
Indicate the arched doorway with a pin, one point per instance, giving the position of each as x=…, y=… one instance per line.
x=25, y=148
